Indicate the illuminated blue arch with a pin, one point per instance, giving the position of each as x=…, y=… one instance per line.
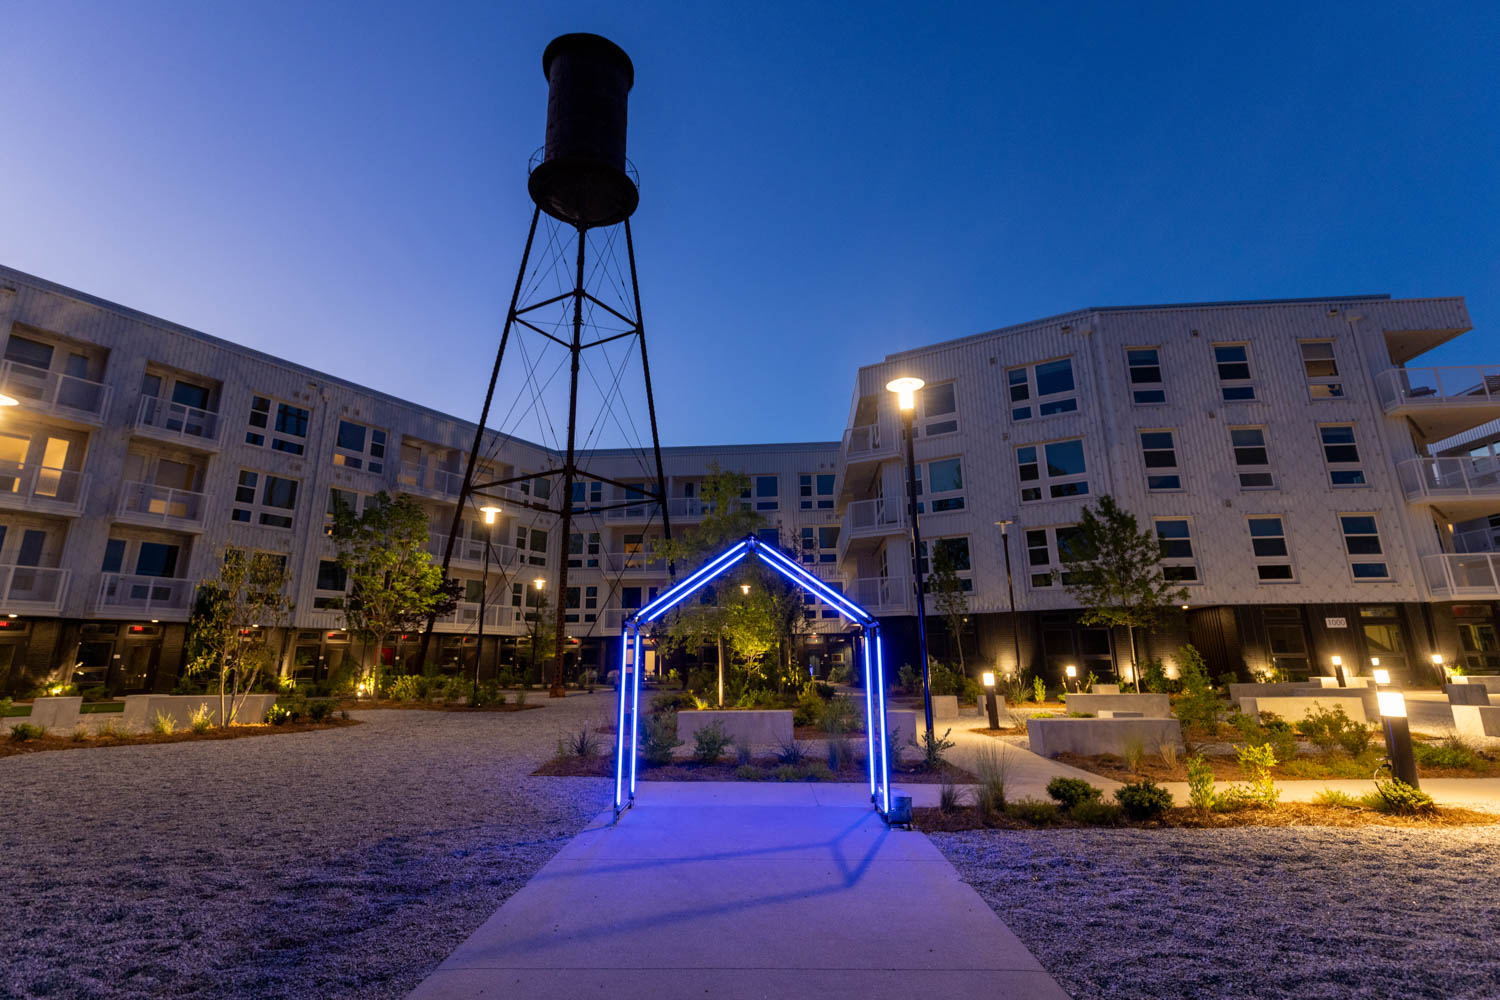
x=869, y=637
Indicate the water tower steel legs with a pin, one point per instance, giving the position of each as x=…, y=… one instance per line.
x=570, y=472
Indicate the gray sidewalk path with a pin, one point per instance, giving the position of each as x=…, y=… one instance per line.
x=740, y=890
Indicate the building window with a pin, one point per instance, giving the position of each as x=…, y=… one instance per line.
x=1060, y=474
x=944, y=486
x=816, y=491
x=1236, y=381
x=1322, y=370
x=583, y=550
x=1341, y=455
x=1174, y=539
x=1047, y=550
x=156, y=559
x=333, y=579
x=591, y=492
x=1273, y=560
x=820, y=544
x=1362, y=545
x=1144, y=365
x=114, y=556
x=1042, y=390
x=264, y=499
x=1160, y=455
x=288, y=433
x=767, y=493
x=957, y=552
x=1252, y=460
x=939, y=409
x=359, y=447
x=531, y=545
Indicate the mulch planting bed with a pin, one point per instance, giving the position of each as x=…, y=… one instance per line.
x=1311, y=767
x=930, y=819
x=53, y=741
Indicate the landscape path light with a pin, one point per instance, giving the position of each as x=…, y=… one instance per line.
x=1072, y=674
x=8, y=400
x=1437, y=661
x=1382, y=676
x=1397, y=736
x=988, y=678
x=1338, y=668
x=905, y=389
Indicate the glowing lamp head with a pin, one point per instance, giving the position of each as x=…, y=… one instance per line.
x=8, y=400
x=1382, y=676
x=1374, y=661
x=988, y=678
x=745, y=589
x=490, y=513
x=1392, y=704
x=539, y=583
x=905, y=389
x=1437, y=659
x=1338, y=661
x=1184, y=607
x=1070, y=670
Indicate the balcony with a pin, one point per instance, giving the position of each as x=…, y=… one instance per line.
x=498, y=618
x=66, y=396
x=1483, y=539
x=867, y=521
x=183, y=425
x=634, y=564
x=882, y=594
x=1452, y=576
x=42, y=488
x=441, y=484
x=682, y=510
x=469, y=552
x=162, y=597
x=1441, y=402
x=32, y=590
x=162, y=506
x=1461, y=488
x=864, y=447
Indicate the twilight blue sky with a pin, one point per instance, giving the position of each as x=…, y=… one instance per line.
x=344, y=184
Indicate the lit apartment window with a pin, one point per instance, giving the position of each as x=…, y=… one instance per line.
x=1236, y=381
x=333, y=580
x=943, y=486
x=531, y=545
x=1146, y=387
x=1160, y=455
x=1322, y=369
x=767, y=492
x=1047, y=549
x=820, y=544
x=264, y=499
x=1252, y=460
x=1341, y=454
x=359, y=447
x=288, y=433
x=1362, y=545
x=1042, y=390
x=957, y=552
x=1273, y=560
x=1061, y=473
x=816, y=491
x=939, y=409
x=1174, y=539
x=583, y=550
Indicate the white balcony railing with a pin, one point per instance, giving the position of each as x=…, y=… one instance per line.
x=635, y=563
x=869, y=441
x=873, y=517
x=679, y=509
x=1484, y=539
x=153, y=596
x=54, y=392
x=470, y=552
x=1406, y=387
x=1463, y=575
x=466, y=615
x=881, y=593
x=40, y=487
x=1449, y=477
x=32, y=588
x=146, y=502
x=166, y=419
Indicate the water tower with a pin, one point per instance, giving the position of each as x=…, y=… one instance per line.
x=587, y=189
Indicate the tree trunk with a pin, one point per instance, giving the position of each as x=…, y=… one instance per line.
x=721, y=666
x=958, y=640
x=1135, y=661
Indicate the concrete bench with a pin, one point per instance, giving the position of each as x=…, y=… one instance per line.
x=1104, y=689
x=55, y=712
x=141, y=709
x=1475, y=723
x=1151, y=706
x=944, y=706
x=1105, y=713
x=1295, y=708
x=1092, y=737
x=746, y=727
x=1490, y=682
x=1467, y=694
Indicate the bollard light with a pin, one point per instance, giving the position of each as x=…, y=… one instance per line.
x=1382, y=676
x=1338, y=668
x=1397, y=736
x=988, y=677
x=1392, y=704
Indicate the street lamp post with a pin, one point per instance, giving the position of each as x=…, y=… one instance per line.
x=1010, y=591
x=536, y=633
x=906, y=398
x=484, y=594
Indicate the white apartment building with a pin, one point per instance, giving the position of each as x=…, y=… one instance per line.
x=1306, y=484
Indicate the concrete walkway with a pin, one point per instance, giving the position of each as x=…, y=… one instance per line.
x=740, y=890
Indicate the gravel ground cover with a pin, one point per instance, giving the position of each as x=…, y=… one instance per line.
x=1307, y=913
x=346, y=863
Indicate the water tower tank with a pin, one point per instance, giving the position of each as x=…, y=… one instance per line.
x=583, y=177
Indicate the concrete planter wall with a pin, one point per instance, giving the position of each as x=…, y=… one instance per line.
x=1490, y=682
x=140, y=709
x=1150, y=706
x=1295, y=708
x=763, y=726
x=1092, y=737
x=1467, y=694
x=901, y=726
x=944, y=706
x=1364, y=694
x=55, y=713
x=1475, y=723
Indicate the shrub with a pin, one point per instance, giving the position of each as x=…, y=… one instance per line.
x=1451, y=753
x=25, y=732
x=521, y=700
x=1200, y=776
x=815, y=770
x=993, y=769
x=583, y=743
x=1097, y=813
x=792, y=753
x=742, y=754
x=839, y=673
x=1135, y=754
x=111, y=730
x=749, y=772
x=1143, y=800
x=1392, y=795
x=278, y=715
x=1154, y=677
x=1167, y=751
x=201, y=719
x=839, y=753
x=1033, y=811
x=1198, y=706
x=1355, y=740
x=659, y=739
x=1327, y=728
x=80, y=732
x=409, y=687
x=934, y=749
x=1038, y=690
x=837, y=716
x=950, y=797
x=1256, y=763
x=163, y=724
x=1269, y=731
x=318, y=711
x=809, y=708
x=909, y=679
x=709, y=743
x=5, y=706
x=1334, y=797
x=1069, y=792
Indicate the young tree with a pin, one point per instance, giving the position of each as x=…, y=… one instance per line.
x=541, y=640
x=1113, y=569
x=232, y=616
x=948, y=595
x=393, y=584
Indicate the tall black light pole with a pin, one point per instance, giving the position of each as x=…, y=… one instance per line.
x=484, y=594
x=1010, y=591
x=906, y=397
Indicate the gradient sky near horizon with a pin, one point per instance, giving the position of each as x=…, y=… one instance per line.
x=343, y=185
